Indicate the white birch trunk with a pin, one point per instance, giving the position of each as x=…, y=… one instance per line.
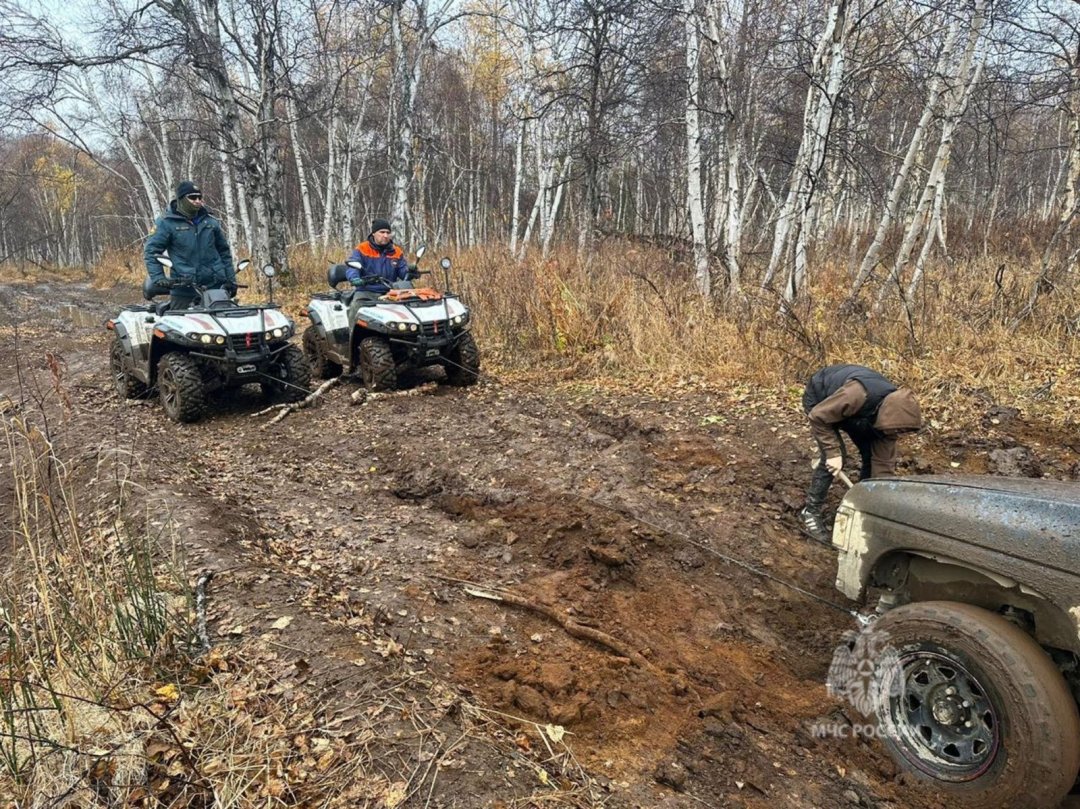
x=694, y=202
x=807, y=175
x=927, y=214
x=892, y=202
x=301, y=172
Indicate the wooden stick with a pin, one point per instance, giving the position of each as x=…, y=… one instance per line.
x=307, y=401
x=572, y=627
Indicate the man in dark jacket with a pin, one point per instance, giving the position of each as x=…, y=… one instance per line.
x=384, y=262
x=872, y=411
x=195, y=242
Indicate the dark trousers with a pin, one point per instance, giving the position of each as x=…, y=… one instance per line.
x=822, y=478
x=182, y=298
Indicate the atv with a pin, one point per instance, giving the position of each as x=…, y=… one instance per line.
x=215, y=344
x=382, y=333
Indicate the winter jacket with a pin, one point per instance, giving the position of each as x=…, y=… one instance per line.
x=198, y=249
x=865, y=405
x=388, y=262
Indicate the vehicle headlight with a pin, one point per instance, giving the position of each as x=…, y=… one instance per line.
x=206, y=339
x=456, y=320
x=279, y=332
x=220, y=340
x=414, y=327
x=401, y=327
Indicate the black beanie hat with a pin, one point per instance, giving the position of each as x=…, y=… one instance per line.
x=186, y=187
x=380, y=224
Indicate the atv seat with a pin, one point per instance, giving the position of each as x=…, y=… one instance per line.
x=336, y=274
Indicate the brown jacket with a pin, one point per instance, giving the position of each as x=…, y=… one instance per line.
x=898, y=413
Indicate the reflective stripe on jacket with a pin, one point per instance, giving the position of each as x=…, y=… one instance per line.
x=387, y=262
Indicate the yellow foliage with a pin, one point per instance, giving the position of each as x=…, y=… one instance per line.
x=487, y=61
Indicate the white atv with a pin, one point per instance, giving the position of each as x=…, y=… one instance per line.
x=381, y=333
x=215, y=344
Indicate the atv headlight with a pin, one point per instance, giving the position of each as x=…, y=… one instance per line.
x=456, y=320
x=220, y=340
x=401, y=327
x=414, y=327
x=200, y=337
x=206, y=339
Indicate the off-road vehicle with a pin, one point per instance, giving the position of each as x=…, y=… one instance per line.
x=382, y=333
x=187, y=354
x=979, y=585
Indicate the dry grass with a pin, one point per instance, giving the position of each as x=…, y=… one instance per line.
x=628, y=316
x=106, y=696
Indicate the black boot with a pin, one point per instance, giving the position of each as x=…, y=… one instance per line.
x=812, y=516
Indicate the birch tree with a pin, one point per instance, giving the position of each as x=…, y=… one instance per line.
x=807, y=175
x=694, y=200
x=926, y=222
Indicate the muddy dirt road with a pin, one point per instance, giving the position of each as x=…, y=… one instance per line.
x=369, y=525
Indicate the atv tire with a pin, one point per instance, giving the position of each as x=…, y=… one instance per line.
x=465, y=359
x=127, y=386
x=982, y=713
x=180, y=387
x=295, y=376
x=377, y=366
x=321, y=366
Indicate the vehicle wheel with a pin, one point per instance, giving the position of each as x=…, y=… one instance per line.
x=127, y=386
x=321, y=367
x=974, y=706
x=465, y=357
x=377, y=366
x=180, y=387
x=295, y=374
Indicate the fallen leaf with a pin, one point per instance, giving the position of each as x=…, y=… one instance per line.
x=281, y=622
x=555, y=732
x=395, y=794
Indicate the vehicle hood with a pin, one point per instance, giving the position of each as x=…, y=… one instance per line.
x=241, y=320
x=431, y=313
x=1032, y=519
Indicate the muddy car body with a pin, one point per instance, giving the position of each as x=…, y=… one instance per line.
x=979, y=584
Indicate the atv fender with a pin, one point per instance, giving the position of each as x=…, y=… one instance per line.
x=133, y=353
x=158, y=349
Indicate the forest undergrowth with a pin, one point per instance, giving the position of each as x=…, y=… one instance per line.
x=627, y=315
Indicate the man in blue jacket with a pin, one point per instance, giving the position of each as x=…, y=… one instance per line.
x=195, y=242
x=384, y=262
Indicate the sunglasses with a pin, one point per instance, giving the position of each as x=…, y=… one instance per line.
x=194, y=197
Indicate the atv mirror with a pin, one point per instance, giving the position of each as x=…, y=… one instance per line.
x=420, y=251
x=269, y=271
x=356, y=265
x=164, y=261
x=243, y=264
x=445, y=263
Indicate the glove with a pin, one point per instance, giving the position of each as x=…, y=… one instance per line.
x=413, y=272
x=835, y=465
x=356, y=282
x=230, y=288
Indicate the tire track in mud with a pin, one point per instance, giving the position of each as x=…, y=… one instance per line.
x=355, y=518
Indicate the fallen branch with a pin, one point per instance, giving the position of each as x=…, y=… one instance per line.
x=363, y=395
x=307, y=401
x=572, y=627
x=200, y=610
